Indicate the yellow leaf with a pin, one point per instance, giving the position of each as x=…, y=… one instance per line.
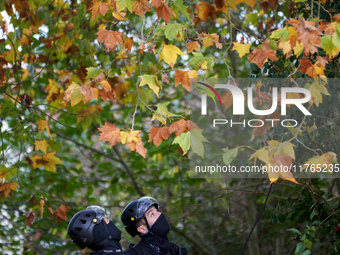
x=316, y=89
x=298, y=49
x=169, y=54
x=41, y=145
x=151, y=81
x=241, y=49
x=133, y=141
x=73, y=93
x=285, y=46
x=325, y=161
x=42, y=125
x=209, y=39
x=277, y=148
x=48, y=161
x=262, y=154
x=42, y=203
x=281, y=164
x=119, y=15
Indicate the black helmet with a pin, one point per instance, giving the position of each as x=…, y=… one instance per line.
x=80, y=228
x=134, y=211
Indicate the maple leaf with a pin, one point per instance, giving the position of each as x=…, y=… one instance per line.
x=128, y=43
x=133, y=140
x=7, y=187
x=100, y=78
x=206, y=11
x=60, y=213
x=106, y=85
x=111, y=95
x=277, y=148
x=169, y=54
x=42, y=125
x=139, y=7
x=317, y=89
x=157, y=3
x=99, y=7
x=73, y=93
x=48, y=161
x=109, y=133
x=241, y=48
x=165, y=78
x=164, y=11
x=183, y=140
x=161, y=112
x=261, y=154
x=118, y=15
x=314, y=71
x=283, y=163
x=89, y=93
x=285, y=46
x=30, y=218
x=210, y=39
x=111, y=39
x=328, y=46
x=259, y=57
x=196, y=141
x=227, y=99
x=178, y=127
x=191, y=46
x=184, y=78
x=151, y=81
x=141, y=48
x=41, y=145
x=326, y=161
x=158, y=134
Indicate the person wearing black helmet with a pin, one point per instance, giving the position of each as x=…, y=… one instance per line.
x=89, y=228
x=141, y=217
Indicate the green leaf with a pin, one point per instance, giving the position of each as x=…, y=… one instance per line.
x=295, y=231
x=151, y=81
x=92, y=72
x=307, y=243
x=196, y=142
x=182, y=8
x=307, y=252
x=229, y=155
x=314, y=213
x=199, y=60
x=171, y=30
x=280, y=33
x=328, y=46
x=183, y=140
x=251, y=18
x=161, y=110
x=336, y=37
x=125, y=4
x=299, y=248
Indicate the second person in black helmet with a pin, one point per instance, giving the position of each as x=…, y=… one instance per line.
x=141, y=217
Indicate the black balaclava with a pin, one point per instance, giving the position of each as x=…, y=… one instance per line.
x=106, y=236
x=157, y=235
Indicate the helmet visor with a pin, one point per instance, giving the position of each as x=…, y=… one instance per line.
x=100, y=211
x=144, y=204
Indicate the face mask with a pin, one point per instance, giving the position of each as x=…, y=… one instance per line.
x=160, y=227
x=107, y=235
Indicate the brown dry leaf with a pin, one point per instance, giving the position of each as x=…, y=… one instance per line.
x=178, y=127
x=314, y=71
x=100, y=77
x=141, y=48
x=326, y=161
x=209, y=39
x=99, y=7
x=282, y=162
x=30, y=218
x=227, y=99
x=139, y=7
x=105, y=95
x=165, y=78
x=89, y=93
x=31, y=200
x=133, y=140
x=60, y=213
x=323, y=61
x=191, y=46
x=158, y=134
x=111, y=39
x=192, y=125
x=109, y=133
x=164, y=11
x=259, y=57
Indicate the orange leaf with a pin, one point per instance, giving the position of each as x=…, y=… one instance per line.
x=7, y=187
x=111, y=95
x=42, y=203
x=106, y=86
x=206, y=11
x=140, y=149
x=100, y=77
x=141, y=48
x=259, y=57
x=191, y=46
x=227, y=99
x=89, y=93
x=99, y=7
x=109, y=133
x=128, y=43
x=111, y=39
x=133, y=140
x=306, y=67
x=184, y=78
x=139, y=7
x=164, y=11
x=178, y=127
x=30, y=218
x=158, y=134
x=157, y=3
x=210, y=39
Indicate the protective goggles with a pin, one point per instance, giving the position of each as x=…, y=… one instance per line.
x=100, y=211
